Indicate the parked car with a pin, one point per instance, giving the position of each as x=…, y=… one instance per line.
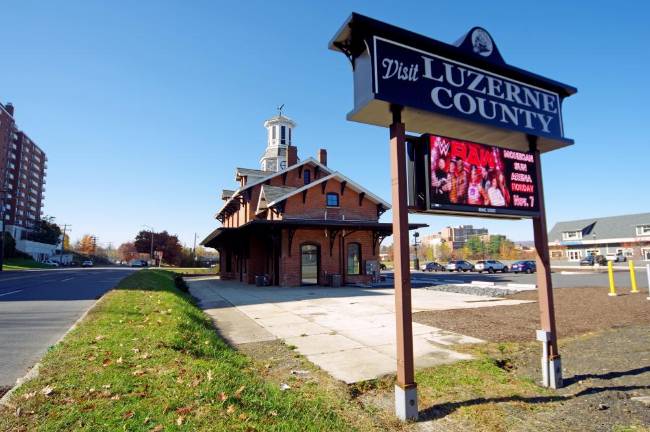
x=591, y=260
x=87, y=263
x=524, y=267
x=51, y=263
x=490, y=266
x=432, y=266
x=616, y=257
x=138, y=263
x=459, y=265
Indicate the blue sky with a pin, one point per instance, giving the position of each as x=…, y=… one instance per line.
x=145, y=108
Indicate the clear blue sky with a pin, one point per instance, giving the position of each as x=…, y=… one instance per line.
x=145, y=108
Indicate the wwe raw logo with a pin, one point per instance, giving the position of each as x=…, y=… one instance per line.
x=443, y=147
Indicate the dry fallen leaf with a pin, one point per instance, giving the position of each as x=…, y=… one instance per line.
x=157, y=428
x=242, y=416
x=273, y=413
x=128, y=415
x=223, y=396
x=106, y=362
x=183, y=411
x=29, y=395
x=138, y=372
x=47, y=390
x=100, y=337
x=239, y=391
x=230, y=409
x=179, y=420
x=116, y=397
x=92, y=358
x=146, y=420
x=18, y=411
x=210, y=375
x=145, y=356
x=106, y=386
x=119, y=360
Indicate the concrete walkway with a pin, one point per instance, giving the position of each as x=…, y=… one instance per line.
x=349, y=332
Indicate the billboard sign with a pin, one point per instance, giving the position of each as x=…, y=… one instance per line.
x=465, y=89
x=467, y=177
x=412, y=77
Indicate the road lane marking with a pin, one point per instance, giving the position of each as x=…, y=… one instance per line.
x=63, y=280
x=11, y=292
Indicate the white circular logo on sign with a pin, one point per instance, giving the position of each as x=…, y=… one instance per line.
x=482, y=42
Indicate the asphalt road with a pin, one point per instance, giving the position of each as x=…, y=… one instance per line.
x=38, y=307
x=568, y=279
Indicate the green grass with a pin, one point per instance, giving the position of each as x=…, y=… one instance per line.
x=146, y=358
x=22, y=264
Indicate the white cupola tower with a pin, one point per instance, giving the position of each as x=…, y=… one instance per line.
x=279, y=131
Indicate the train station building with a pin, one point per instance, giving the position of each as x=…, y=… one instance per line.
x=298, y=222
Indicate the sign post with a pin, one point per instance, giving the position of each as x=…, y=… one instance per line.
x=484, y=125
x=406, y=407
x=550, y=362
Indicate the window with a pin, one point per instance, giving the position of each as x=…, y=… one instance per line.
x=572, y=235
x=555, y=254
x=332, y=199
x=306, y=175
x=645, y=254
x=283, y=131
x=273, y=133
x=354, y=259
x=643, y=230
x=574, y=255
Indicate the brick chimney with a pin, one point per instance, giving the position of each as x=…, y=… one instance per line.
x=322, y=156
x=10, y=108
x=292, y=155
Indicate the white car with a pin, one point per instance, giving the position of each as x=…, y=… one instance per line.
x=616, y=257
x=51, y=263
x=490, y=266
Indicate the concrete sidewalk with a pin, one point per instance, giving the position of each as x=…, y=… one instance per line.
x=349, y=332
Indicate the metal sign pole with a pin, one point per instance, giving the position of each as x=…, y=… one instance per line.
x=552, y=362
x=406, y=406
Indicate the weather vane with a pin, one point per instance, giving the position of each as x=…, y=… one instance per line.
x=280, y=110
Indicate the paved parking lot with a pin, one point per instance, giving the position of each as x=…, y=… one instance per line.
x=349, y=332
x=561, y=278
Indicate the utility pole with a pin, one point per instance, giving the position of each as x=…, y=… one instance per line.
x=65, y=227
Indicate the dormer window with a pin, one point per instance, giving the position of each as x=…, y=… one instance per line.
x=306, y=176
x=332, y=199
x=643, y=230
x=572, y=235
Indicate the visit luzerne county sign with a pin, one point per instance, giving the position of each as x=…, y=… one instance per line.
x=465, y=90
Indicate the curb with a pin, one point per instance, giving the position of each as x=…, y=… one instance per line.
x=34, y=371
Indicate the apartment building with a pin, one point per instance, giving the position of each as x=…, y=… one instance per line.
x=23, y=166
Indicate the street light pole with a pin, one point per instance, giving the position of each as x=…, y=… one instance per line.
x=416, y=261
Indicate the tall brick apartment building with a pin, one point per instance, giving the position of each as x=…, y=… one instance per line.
x=22, y=170
x=297, y=222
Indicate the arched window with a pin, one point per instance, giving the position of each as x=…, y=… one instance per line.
x=354, y=259
x=332, y=199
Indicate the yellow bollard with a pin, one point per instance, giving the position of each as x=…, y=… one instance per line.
x=612, y=288
x=633, y=278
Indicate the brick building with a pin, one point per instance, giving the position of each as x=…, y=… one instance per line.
x=297, y=222
x=22, y=168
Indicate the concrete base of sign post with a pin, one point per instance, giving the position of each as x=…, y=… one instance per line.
x=406, y=403
x=555, y=373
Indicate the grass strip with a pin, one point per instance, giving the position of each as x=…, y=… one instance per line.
x=147, y=359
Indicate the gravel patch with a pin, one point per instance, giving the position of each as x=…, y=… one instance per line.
x=487, y=291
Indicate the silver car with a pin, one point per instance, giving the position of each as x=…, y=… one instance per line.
x=459, y=265
x=491, y=266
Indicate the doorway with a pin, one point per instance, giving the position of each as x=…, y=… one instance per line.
x=309, y=264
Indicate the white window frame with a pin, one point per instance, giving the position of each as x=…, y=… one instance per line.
x=574, y=255
x=572, y=235
x=645, y=254
x=643, y=230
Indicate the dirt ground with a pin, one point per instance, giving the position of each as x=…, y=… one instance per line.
x=577, y=310
x=605, y=348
